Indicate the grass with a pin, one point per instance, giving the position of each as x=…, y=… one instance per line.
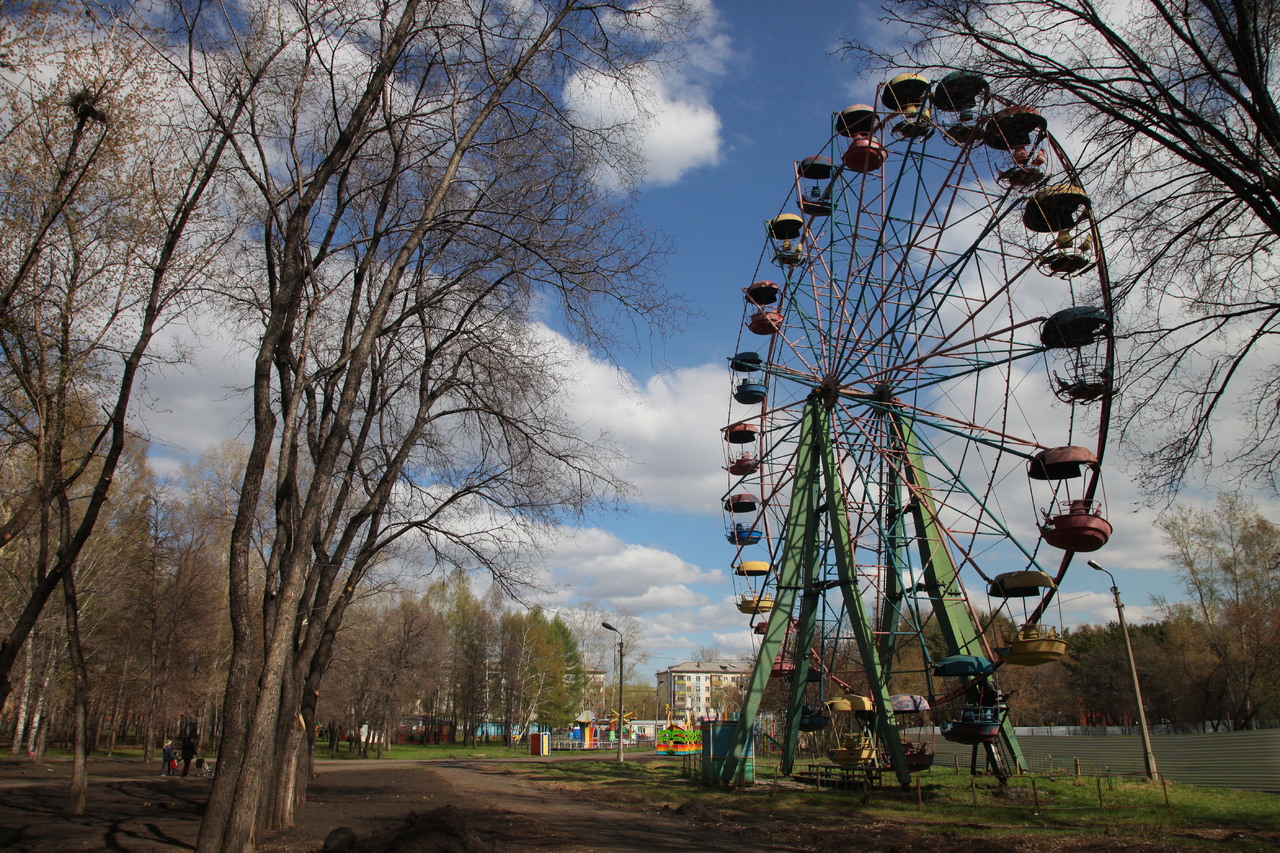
x=124, y=753
x=951, y=803
x=423, y=752
x=398, y=752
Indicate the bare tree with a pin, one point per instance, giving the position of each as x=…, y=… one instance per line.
x=1173, y=107
x=106, y=208
x=598, y=645
x=416, y=185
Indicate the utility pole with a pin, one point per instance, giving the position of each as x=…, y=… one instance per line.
x=1148, y=757
x=620, y=717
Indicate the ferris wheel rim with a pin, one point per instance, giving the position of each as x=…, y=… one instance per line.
x=817, y=383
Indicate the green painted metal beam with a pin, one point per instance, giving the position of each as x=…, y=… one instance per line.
x=893, y=530
x=942, y=583
x=886, y=726
x=799, y=529
x=809, y=600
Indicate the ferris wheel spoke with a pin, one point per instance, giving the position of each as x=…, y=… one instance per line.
x=912, y=272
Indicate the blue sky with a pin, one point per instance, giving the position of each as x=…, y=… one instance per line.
x=757, y=93
x=770, y=79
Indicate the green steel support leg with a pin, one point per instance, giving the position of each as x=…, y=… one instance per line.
x=895, y=596
x=958, y=631
x=799, y=532
x=800, y=678
x=886, y=726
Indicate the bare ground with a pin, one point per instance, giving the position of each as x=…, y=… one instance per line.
x=479, y=807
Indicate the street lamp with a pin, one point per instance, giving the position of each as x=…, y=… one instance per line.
x=619, y=633
x=1148, y=757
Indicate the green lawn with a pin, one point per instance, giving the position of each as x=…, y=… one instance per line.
x=422, y=752
x=399, y=752
x=953, y=803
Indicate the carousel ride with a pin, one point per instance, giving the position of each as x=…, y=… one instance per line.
x=920, y=399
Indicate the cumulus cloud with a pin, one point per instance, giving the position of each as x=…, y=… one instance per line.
x=685, y=136
x=595, y=564
x=680, y=129
x=669, y=425
x=186, y=408
x=736, y=644
x=685, y=628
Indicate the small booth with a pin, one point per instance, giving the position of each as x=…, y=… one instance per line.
x=717, y=739
x=586, y=734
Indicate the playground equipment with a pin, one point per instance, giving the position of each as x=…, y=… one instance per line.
x=928, y=332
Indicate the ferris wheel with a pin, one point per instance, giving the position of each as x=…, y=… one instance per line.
x=921, y=392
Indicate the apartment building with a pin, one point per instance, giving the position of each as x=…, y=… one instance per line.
x=696, y=690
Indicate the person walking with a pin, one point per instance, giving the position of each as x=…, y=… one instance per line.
x=170, y=763
x=188, y=753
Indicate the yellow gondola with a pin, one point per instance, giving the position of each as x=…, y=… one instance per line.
x=856, y=749
x=1034, y=645
x=755, y=604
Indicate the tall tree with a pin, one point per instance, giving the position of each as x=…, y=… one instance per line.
x=1172, y=105
x=412, y=208
x=563, y=700
x=104, y=205
x=471, y=637
x=539, y=672
x=1227, y=559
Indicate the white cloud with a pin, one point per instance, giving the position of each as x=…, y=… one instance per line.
x=685, y=628
x=595, y=564
x=735, y=644
x=676, y=132
x=680, y=129
x=661, y=597
x=685, y=136
x=184, y=409
x=669, y=427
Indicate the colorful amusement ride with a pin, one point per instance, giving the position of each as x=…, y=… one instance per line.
x=920, y=399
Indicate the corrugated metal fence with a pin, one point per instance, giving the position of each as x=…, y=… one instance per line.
x=1247, y=760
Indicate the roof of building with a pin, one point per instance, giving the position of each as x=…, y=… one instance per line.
x=718, y=667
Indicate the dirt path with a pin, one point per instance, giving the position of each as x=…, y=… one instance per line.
x=552, y=819
x=488, y=809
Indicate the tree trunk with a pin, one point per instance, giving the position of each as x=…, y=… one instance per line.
x=24, y=703
x=237, y=705
x=79, y=698
x=36, y=729
x=258, y=743
x=281, y=786
x=304, y=766
x=39, y=737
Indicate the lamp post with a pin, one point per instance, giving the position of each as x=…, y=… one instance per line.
x=619, y=633
x=1148, y=757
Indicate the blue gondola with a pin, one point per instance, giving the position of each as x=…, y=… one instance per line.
x=963, y=666
x=742, y=534
x=750, y=392
x=977, y=724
